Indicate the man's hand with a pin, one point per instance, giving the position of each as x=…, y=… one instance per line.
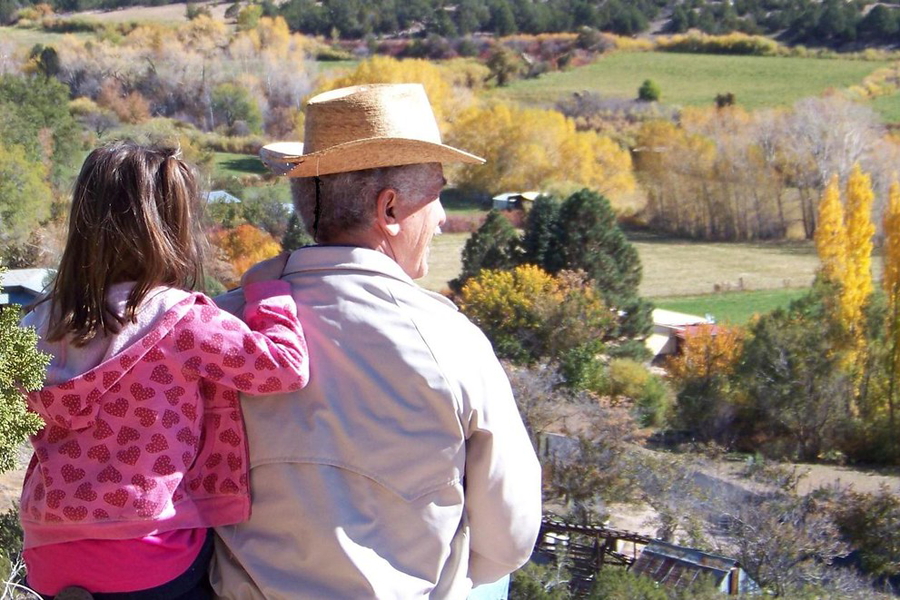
x=266, y=270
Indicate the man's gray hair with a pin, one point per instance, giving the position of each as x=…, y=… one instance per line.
x=347, y=200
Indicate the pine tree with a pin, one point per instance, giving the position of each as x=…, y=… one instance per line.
x=831, y=235
x=540, y=231
x=493, y=246
x=296, y=235
x=22, y=367
x=589, y=239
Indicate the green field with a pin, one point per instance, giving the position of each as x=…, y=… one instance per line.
x=695, y=79
x=888, y=107
x=238, y=165
x=731, y=307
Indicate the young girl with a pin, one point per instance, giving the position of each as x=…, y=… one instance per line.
x=144, y=445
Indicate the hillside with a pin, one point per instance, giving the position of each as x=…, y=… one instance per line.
x=695, y=79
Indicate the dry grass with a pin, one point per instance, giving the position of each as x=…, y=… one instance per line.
x=169, y=13
x=445, y=260
x=681, y=268
x=29, y=37
x=678, y=268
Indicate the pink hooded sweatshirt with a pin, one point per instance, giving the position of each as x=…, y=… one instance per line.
x=151, y=439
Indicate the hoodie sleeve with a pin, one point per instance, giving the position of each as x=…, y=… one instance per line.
x=265, y=355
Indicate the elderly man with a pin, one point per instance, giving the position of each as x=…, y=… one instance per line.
x=403, y=469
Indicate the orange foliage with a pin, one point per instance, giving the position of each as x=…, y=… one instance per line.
x=130, y=108
x=707, y=351
x=244, y=246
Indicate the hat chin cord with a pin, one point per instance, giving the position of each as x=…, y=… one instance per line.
x=318, y=208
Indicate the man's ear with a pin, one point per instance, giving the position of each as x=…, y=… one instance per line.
x=386, y=212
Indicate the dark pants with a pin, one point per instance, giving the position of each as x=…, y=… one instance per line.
x=193, y=584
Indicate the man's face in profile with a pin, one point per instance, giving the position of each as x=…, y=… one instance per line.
x=419, y=226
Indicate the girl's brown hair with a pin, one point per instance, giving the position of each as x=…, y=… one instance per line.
x=132, y=219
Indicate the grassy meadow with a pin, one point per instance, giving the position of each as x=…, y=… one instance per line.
x=29, y=37
x=680, y=268
x=695, y=79
x=235, y=165
x=682, y=276
x=731, y=307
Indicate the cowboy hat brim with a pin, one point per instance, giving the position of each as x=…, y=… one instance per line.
x=287, y=158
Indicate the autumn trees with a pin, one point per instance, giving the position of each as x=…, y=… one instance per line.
x=531, y=149
x=818, y=378
x=730, y=174
x=200, y=72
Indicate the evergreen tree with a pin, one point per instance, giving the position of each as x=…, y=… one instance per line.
x=503, y=21
x=589, y=239
x=493, y=246
x=296, y=235
x=22, y=367
x=879, y=23
x=649, y=91
x=680, y=21
x=538, y=243
x=469, y=16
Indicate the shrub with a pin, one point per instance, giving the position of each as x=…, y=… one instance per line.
x=507, y=305
x=649, y=91
x=192, y=11
x=530, y=315
x=619, y=584
x=22, y=368
x=733, y=43
x=868, y=521
x=244, y=246
x=581, y=370
x=654, y=402
x=627, y=378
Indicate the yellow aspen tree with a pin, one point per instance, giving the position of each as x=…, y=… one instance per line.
x=831, y=235
x=891, y=282
x=858, y=280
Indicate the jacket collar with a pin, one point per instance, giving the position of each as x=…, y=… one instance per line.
x=344, y=258
x=310, y=259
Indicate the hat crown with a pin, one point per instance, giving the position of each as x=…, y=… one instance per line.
x=369, y=112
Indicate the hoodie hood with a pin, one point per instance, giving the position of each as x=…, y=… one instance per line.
x=78, y=377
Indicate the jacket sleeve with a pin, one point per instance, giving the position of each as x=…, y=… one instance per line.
x=265, y=355
x=503, y=480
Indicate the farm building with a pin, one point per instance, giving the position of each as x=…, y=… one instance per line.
x=514, y=200
x=669, y=329
x=678, y=567
x=22, y=286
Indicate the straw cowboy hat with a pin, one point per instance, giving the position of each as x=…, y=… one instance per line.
x=364, y=127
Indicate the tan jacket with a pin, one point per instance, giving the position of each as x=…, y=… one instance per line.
x=402, y=470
